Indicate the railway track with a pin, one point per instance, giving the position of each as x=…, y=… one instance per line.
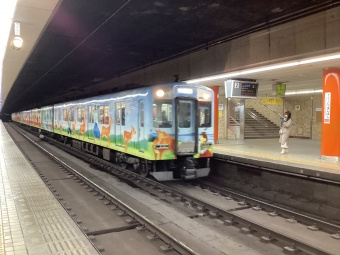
x=133, y=218
x=316, y=229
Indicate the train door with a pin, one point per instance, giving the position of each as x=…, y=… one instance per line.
x=141, y=135
x=90, y=121
x=186, y=129
x=120, y=123
x=118, y=138
x=52, y=118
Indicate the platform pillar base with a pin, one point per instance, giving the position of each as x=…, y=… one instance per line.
x=330, y=158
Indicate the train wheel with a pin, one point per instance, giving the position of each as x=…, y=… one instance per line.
x=123, y=164
x=143, y=168
x=135, y=166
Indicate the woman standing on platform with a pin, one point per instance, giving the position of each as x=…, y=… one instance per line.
x=286, y=124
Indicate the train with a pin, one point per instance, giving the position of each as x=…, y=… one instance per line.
x=165, y=130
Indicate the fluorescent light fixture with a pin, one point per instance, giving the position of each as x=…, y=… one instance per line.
x=303, y=92
x=7, y=8
x=265, y=68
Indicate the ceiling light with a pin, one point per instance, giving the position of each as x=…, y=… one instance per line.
x=303, y=92
x=265, y=68
x=7, y=8
x=17, y=43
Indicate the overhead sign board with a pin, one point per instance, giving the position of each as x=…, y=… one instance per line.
x=240, y=89
x=279, y=89
x=271, y=100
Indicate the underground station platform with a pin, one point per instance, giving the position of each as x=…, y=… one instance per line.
x=32, y=221
x=303, y=159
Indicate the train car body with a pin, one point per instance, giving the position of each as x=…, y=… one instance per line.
x=160, y=130
x=16, y=116
x=36, y=118
x=26, y=117
x=46, y=117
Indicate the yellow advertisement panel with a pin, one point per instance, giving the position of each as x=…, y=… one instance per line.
x=271, y=100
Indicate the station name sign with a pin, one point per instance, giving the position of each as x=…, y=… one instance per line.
x=240, y=89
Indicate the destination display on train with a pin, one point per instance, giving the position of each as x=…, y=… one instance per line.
x=249, y=90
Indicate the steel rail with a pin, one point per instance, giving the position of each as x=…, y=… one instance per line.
x=202, y=205
x=160, y=233
x=322, y=225
x=214, y=211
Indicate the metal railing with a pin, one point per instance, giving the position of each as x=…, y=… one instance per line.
x=255, y=117
x=272, y=110
x=236, y=123
x=251, y=114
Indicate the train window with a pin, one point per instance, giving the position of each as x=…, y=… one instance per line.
x=104, y=115
x=204, y=109
x=162, y=113
x=92, y=110
x=123, y=114
x=141, y=118
x=71, y=114
x=184, y=115
x=80, y=115
x=65, y=115
x=117, y=114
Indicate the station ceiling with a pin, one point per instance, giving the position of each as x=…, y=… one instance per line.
x=86, y=42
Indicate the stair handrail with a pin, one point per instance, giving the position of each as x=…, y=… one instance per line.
x=251, y=114
x=255, y=117
x=235, y=121
x=269, y=107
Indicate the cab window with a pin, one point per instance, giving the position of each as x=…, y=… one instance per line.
x=162, y=113
x=204, y=110
x=184, y=115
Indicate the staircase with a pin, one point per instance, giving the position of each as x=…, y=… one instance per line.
x=259, y=126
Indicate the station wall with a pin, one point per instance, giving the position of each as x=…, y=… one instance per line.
x=309, y=110
x=302, y=118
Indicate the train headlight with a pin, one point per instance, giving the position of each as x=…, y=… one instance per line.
x=206, y=96
x=160, y=93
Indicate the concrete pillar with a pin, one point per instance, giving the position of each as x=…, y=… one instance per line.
x=330, y=134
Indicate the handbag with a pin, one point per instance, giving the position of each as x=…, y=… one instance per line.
x=280, y=131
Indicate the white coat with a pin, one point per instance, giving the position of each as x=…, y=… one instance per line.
x=286, y=127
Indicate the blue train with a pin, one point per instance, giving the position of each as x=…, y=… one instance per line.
x=165, y=130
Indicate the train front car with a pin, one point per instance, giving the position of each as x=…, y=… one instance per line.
x=183, y=129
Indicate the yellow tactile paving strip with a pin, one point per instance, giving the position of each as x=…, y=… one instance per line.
x=241, y=153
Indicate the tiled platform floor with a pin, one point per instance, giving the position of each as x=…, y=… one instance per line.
x=32, y=220
x=303, y=156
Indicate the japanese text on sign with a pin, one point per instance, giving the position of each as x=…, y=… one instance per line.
x=327, y=110
x=271, y=100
